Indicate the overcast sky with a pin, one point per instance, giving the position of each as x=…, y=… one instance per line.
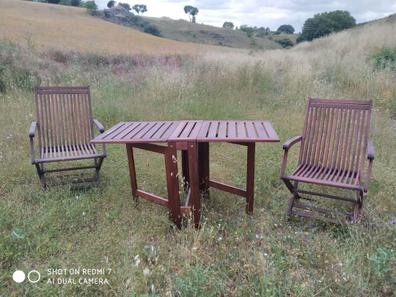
x=263, y=13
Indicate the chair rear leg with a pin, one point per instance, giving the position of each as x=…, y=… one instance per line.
x=358, y=206
x=290, y=205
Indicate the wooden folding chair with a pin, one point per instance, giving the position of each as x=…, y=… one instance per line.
x=65, y=129
x=334, y=144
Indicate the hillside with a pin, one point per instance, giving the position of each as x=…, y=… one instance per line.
x=186, y=31
x=69, y=28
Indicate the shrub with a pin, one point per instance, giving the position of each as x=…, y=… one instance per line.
x=323, y=24
x=143, y=25
x=151, y=29
x=285, y=42
x=286, y=29
x=385, y=58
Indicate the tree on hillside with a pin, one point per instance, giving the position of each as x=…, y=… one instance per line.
x=228, y=25
x=288, y=29
x=192, y=11
x=262, y=32
x=125, y=5
x=139, y=8
x=248, y=30
x=75, y=2
x=111, y=3
x=54, y=1
x=91, y=5
x=323, y=24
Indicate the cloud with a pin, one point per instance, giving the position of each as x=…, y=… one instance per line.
x=263, y=12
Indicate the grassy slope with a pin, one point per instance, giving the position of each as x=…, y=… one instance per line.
x=70, y=28
x=232, y=254
x=186, y=31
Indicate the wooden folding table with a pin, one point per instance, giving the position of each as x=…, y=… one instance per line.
x=192, y=138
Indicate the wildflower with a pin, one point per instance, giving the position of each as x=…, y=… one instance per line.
x=136, y=260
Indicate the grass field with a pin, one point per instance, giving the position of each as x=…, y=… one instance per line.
x=232, y=254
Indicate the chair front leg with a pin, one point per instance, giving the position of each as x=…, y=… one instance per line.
x=368, y=177
x=40, y=173
x=284, y=163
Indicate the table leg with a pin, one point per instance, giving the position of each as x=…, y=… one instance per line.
x=250, y=177
x=185, y=170
x=194, y=182
x=132, y=171
x=203, y=161
x=173, y=184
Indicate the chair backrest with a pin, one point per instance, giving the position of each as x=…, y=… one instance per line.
x=64, y=116
x=335, y=133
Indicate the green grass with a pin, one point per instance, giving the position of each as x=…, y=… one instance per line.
x=232, y=254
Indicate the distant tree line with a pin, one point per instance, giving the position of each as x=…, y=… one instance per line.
x=319, y=25
x=121, y=13
x=139, y=8
x=90, y=4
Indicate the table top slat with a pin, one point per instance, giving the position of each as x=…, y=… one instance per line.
x=212, y=133
x=203, y=130
x=241, y=132
x=191, y=130
x=157, y=126
x=162, y=130
x=111, y=130
x=222, y=130
x=231, y=129
x=168, y=133
x=251, y=131
x=185, y=133
x=142, y=133
x=270, y=130
x=128, y=127
x=261, y=131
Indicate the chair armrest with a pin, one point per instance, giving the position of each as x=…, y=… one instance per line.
x=32, y=133
x=370, y=150
x=98, y=125
x=289, y=143
x=32, y=130
x=286, y=146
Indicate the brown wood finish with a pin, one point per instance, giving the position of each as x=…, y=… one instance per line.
x=173, y=184
x=333, y=149
x=64, y=129
x=194, y=182
x=132, y=171
x=192, y=138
